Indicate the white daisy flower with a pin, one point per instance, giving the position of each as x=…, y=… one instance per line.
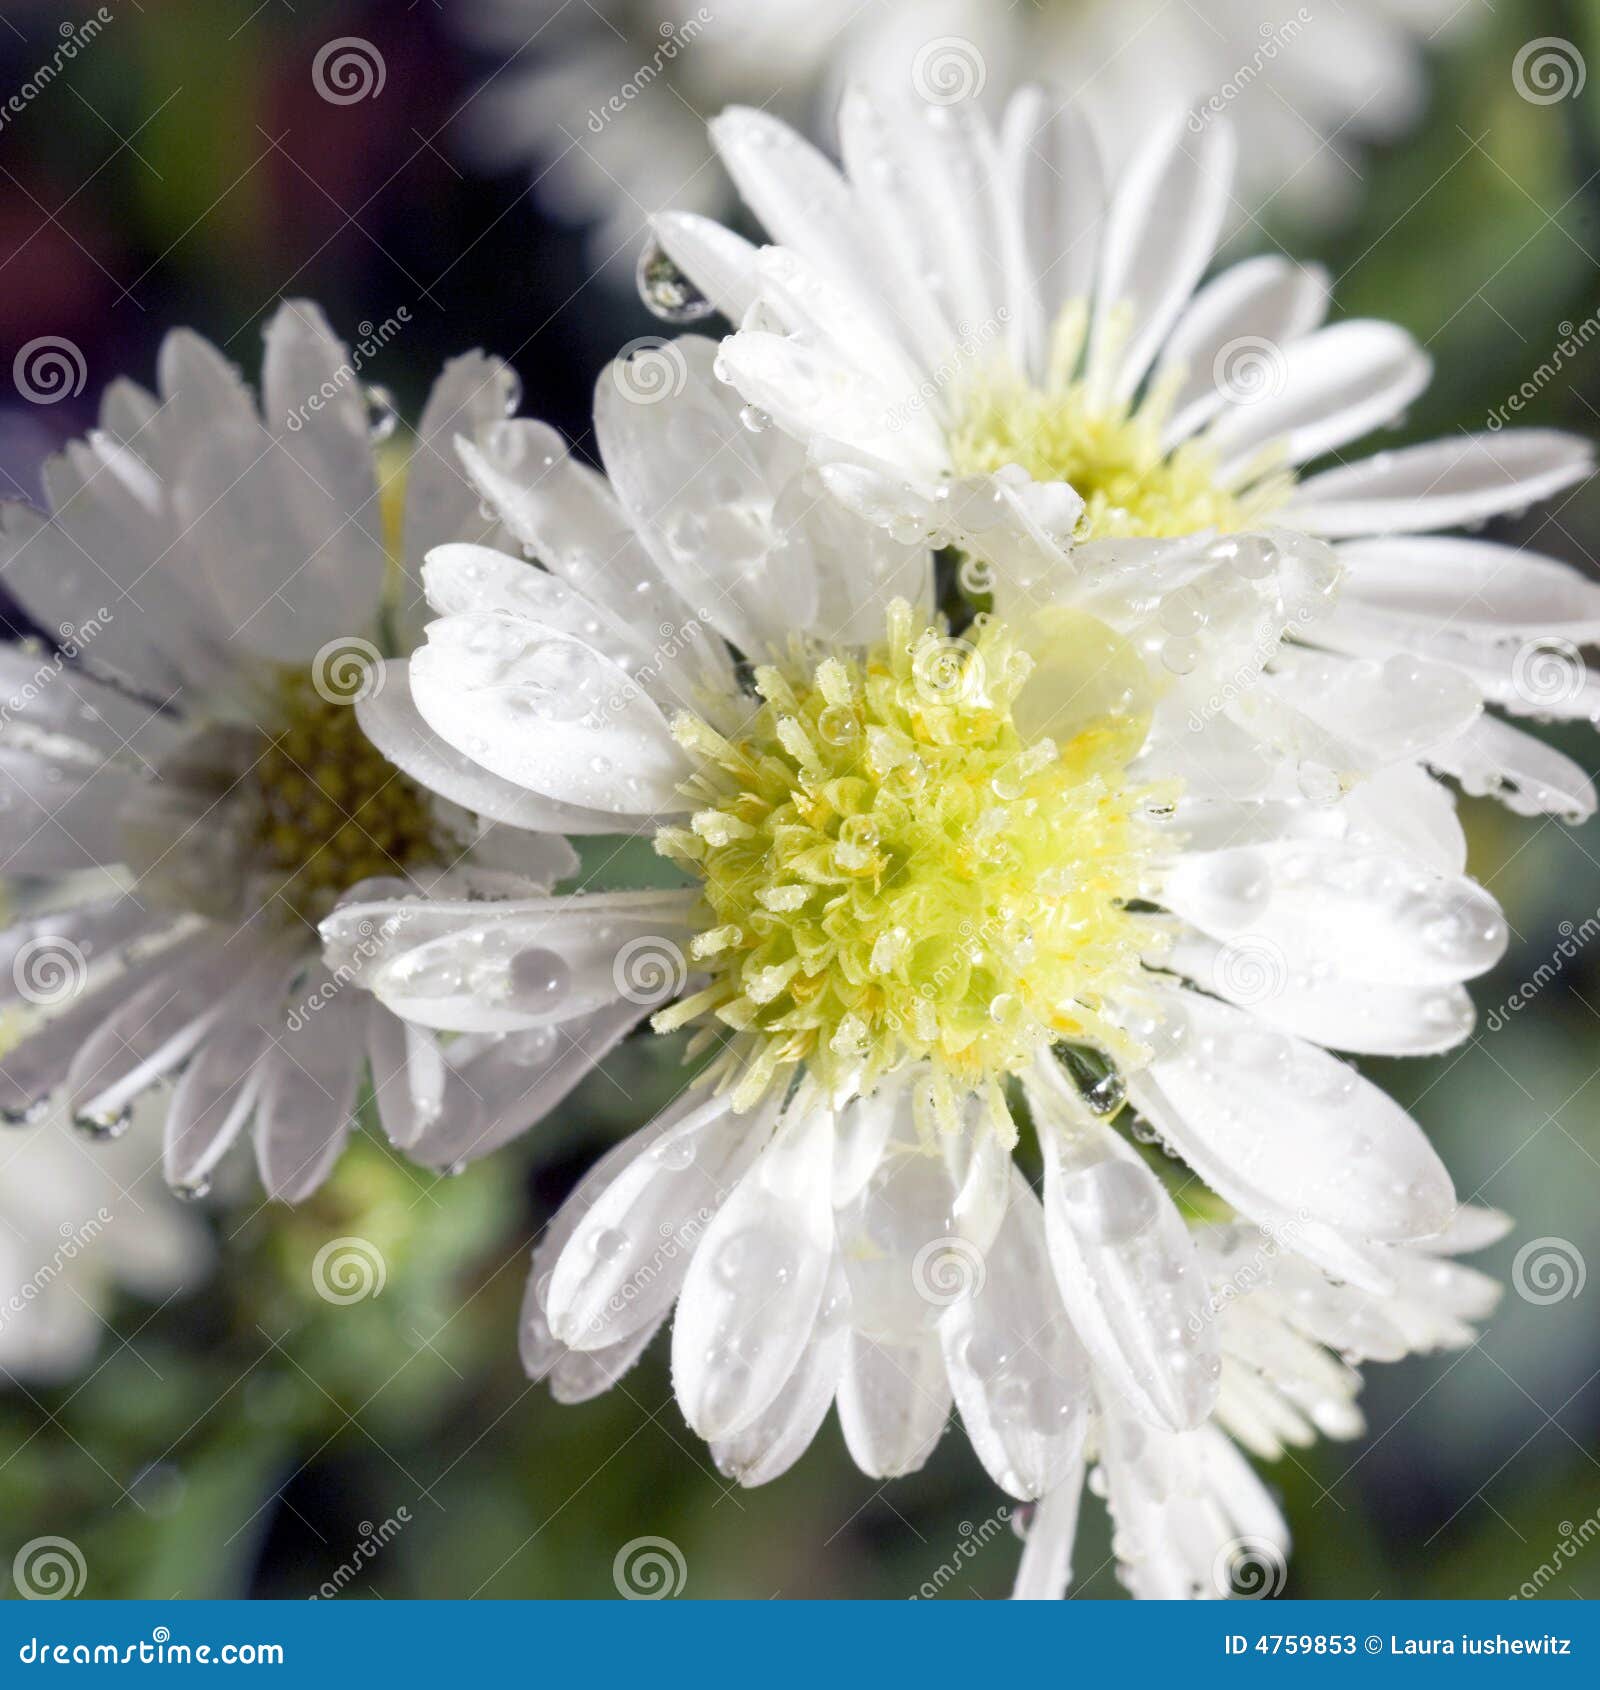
x=220, y=580
x=979, y=337
x=80, y=1223
x=1191, y=1518
x=928, y=876
x=609, y=101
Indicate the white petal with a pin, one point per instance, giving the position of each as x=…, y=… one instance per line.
x=308, y=1091
x=626, y=1259
x=1330, y=907
x=1231, y=336
x=894, y=1401
x=547, y=712
x=514, y=1085
x=441, y=502
x=1125, y=1263
x=1523, y=772
x=755, y=1282
x=701, y=490
x=721, y=263
x=1369, y=1016
x=1441, y=484
x=1328, y=389
x=1165, y=216
x=1019, y=1373
x=771, y=1444
x=1271, y=1122
x=477, y=966
x=1470, y=586
x=1045, y=1572
x=390, y=719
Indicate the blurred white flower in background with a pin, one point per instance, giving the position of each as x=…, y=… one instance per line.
x=607, y=102
x=80, y=1223
x=221, y=577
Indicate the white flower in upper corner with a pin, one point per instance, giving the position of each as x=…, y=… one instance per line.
x=78, y=1222
x=980, y=337
x=221, y=581
x=611, y=99
x=1190, y=1517
x=923, y=872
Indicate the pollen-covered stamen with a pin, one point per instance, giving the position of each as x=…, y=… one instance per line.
x=1074, y=429
x=893, y=869
x=329, y=809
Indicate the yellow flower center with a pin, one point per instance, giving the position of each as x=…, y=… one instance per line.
x=328, y=809
x=906, y=858
x=1074, y=429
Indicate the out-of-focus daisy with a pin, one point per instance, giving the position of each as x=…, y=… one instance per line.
x=1190, y=1518
x=934, y=883
x=979, y=337
x=221, y=581
x=78, y=1223
x=608, y=102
